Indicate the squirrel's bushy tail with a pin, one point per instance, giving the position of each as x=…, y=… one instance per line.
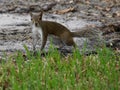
x=86, y=33
x=93, y=35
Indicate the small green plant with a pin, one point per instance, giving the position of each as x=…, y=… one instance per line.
x=54, y=72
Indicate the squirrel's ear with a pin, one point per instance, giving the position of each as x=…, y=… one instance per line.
x=40, y=14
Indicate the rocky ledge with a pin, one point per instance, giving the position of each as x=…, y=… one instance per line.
x=15, y=30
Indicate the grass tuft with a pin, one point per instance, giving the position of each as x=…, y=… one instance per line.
x=54, y=72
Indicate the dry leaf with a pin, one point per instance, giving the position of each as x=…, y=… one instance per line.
x=98, y=7
x=71, y=1
x=65, y=10
x=108, y=15
x=107, y=9
x=118, y=14
x=87, y=2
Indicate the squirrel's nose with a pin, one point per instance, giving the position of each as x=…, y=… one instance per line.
x=36, y=24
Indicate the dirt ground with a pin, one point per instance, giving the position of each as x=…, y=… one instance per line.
x=102, y=15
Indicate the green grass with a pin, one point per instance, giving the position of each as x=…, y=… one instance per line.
x=54, y=72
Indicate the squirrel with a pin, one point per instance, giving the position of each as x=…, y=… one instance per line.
x=42, y=29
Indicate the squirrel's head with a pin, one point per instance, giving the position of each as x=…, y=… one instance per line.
x=36, y=18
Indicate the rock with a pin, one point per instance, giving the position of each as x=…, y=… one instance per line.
x=16, y=29
x=48, y=6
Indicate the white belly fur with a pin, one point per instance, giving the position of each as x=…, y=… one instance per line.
x=36, y=32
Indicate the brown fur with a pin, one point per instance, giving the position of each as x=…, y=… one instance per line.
x=65, y=35
x=54, y=28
